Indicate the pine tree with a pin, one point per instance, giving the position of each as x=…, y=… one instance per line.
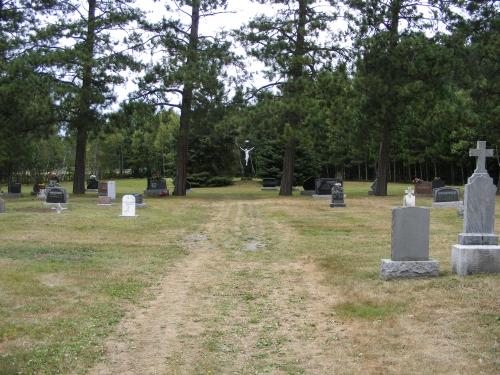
x=83, y=54
x=189, y=70
x=288, y=44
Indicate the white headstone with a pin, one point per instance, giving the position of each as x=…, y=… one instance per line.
x=409, y=199
x=128, y=206
x=112, y=189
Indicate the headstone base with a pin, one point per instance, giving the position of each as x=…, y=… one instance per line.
x=337, y=204
x=478, y=239
x=269, y=188
x=473, y=259
x=322, y=196
x=12, y=195
x=156, y=193
x=393, y=269
x=455, y=204
x=307, y=192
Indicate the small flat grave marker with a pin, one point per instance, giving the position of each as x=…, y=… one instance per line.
x=104, y=201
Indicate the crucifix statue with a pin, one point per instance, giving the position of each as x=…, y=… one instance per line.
x=481, y=152
x=247, y=154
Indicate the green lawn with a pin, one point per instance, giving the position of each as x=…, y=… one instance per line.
x=67, y=279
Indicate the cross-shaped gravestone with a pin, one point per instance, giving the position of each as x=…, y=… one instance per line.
x=481, y=152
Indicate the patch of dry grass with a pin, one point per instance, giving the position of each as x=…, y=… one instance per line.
x=262, y=284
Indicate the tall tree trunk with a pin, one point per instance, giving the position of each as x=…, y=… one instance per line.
x=383, y=163
x=390, y=119
x=187, y=101
x=295, y=89
x=286, y=186
x=81, y=149
x=84, y=116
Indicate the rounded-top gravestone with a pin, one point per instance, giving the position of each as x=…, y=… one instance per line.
x=128, y=206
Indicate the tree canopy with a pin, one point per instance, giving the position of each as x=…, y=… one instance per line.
x=390, y=90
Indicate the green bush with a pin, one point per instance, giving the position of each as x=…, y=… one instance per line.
x=204, y=179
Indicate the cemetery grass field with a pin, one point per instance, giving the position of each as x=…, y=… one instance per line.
x=235, y=280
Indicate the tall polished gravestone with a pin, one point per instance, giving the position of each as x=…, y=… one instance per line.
x=478, y=250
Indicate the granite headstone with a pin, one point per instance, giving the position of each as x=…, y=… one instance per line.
x=478, y=250
x=446, y=197
x=269, y=183
x=56, y=195
x=409, y=245
x=337, y=196
x=423, y=188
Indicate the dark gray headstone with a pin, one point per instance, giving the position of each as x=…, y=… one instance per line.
x=309, y=184
x=323, y=186
x=157, y=187
x=14, y=188
x=57, y=195
x=92, y=184
x=269, y=182
x=446, y=194
x=410, y=233
x=337, y=196
x=157, y=184
x=438, y=183
x=139, y=198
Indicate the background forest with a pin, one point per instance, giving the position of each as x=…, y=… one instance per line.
x=400, y=91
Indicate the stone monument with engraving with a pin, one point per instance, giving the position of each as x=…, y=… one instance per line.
x=409, y=243
x=478, y=250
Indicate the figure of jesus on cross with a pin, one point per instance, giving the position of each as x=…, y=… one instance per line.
x=247, y=154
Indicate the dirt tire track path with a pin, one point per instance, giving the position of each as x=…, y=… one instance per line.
x=203, y=299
